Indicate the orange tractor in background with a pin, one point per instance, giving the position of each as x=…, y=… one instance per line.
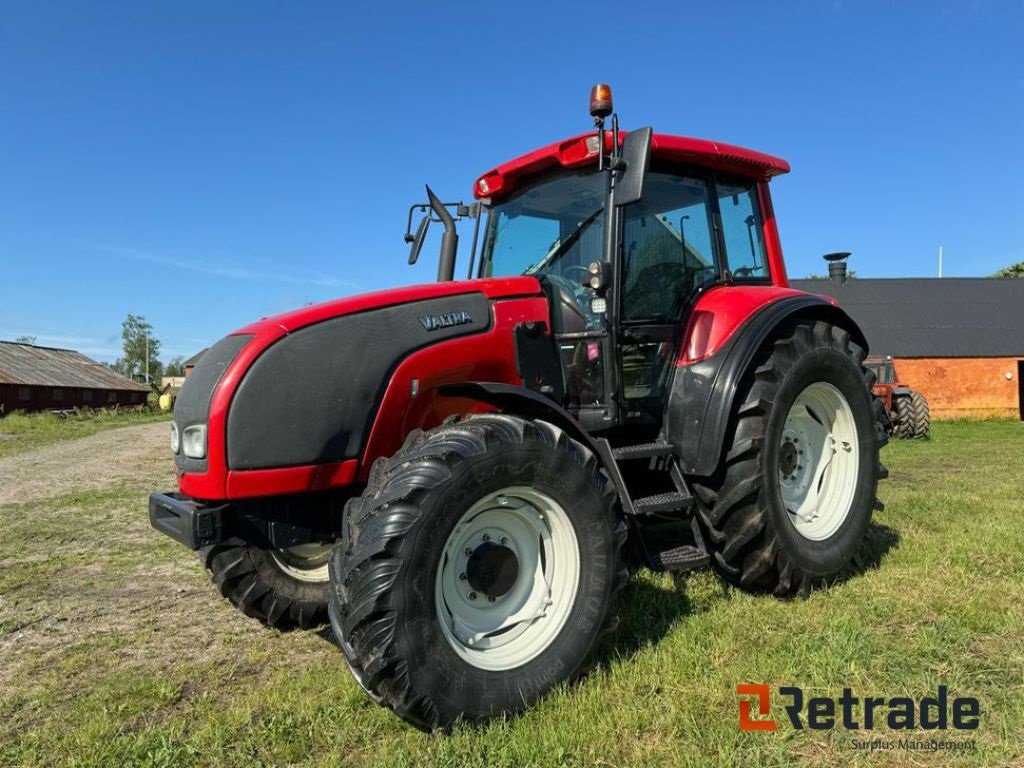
x=906, y=408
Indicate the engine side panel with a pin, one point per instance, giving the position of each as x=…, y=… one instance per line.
x=483, y=357
x=310, y=397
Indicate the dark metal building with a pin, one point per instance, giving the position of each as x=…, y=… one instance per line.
x=45, y=378
x=191, y=362
x=959, y=340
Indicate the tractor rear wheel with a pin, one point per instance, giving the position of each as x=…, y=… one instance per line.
x=791, y=503
x=283, y=588
x=903, y=425
x=920, y=415
x=478, y=570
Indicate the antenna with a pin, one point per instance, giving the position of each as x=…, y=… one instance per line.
x=940, y=262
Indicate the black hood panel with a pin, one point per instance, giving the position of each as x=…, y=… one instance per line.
x=311, y=396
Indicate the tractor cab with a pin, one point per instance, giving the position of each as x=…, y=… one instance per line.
x=624, y=233
x=665, y=255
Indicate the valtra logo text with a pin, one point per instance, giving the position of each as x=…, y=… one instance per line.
x=445, y=320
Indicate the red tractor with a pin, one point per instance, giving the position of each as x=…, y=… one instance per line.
x=459, y=473
x=906, y=409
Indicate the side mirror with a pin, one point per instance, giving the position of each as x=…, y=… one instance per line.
x=636, y=156
x=418, y=238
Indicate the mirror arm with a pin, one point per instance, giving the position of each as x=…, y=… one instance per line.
x=476, y=211
x=409, y=237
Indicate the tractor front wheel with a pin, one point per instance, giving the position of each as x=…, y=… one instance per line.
x=791, y=503
x=283, y=588
x=478, y=570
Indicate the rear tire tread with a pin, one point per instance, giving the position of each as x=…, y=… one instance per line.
x=733, y=511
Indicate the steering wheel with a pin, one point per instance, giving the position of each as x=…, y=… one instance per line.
x=567, y=270
x=572, y=290
x=571, y=287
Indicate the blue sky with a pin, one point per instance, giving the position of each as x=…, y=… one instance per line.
x=208, y=163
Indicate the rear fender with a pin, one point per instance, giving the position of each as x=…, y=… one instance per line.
x=701, y=400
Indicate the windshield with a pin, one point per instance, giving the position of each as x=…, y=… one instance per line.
x=550, y=228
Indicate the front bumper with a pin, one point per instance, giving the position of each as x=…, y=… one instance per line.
x=185, y=520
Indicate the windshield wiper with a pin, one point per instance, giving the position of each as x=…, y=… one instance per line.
x=566, y=244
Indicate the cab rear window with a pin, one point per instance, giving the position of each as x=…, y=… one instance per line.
x=741, y=231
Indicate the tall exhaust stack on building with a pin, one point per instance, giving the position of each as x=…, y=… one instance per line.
x=837, y=266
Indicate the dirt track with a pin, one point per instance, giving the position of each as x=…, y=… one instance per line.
x=88, y=464
x=89, y=591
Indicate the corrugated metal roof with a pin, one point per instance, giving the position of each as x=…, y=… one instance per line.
x=932, y=317
x=28, y=365
x=192, y=361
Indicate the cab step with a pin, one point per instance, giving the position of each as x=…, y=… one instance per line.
x=683, y=558
x=673, y=501
x=678, y=501
x=642, y=451
x=669, y=546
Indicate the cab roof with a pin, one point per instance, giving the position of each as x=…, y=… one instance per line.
x=581, y=150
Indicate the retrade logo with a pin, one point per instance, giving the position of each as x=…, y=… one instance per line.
x=761, y=693
x=853, y=713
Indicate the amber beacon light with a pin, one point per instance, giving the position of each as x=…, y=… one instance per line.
x=601, y=100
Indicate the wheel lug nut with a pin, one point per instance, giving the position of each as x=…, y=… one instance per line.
x=462, y=577
x=472, y=595
x=486, y=537
x=490, y=598
x=469, y=552
x=504, y=540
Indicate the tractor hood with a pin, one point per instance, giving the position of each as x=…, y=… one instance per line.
x=300, y=389
x=493, y=288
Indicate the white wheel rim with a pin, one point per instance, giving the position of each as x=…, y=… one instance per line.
x=819, y=461
x=507, y=629
x=305, y=562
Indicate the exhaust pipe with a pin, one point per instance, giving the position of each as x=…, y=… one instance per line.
x=837, y=267
x=449, y=241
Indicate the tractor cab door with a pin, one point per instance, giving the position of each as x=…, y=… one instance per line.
x=668, y=258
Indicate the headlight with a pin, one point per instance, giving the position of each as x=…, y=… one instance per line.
x=193, y=441
x=175, y=438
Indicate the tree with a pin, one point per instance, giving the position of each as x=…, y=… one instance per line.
x=176, y=367
x=1014, y=270
x=815, y=276
x=140, y=346
x=30, y=340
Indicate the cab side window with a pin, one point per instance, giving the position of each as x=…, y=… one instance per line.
x=668, y=248
x=742, y=231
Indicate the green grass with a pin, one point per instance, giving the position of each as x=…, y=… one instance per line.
x=20, y=432
x=115, y=651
